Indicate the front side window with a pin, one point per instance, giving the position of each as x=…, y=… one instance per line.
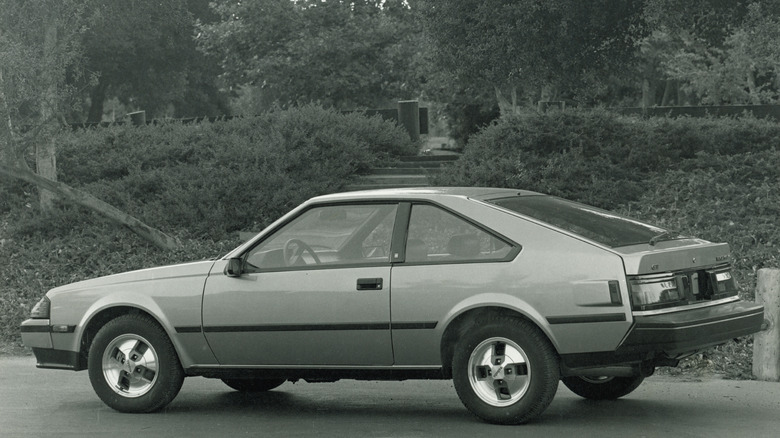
x=328, y=235
x=436, y=235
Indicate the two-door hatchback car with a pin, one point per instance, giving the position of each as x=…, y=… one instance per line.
x=506, y=292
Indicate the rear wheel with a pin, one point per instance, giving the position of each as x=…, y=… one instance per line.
x=133, y=366
x=505, y=371
x=253, y=385
x=602, y=388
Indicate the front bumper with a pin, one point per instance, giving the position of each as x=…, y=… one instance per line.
x=678, y=333
x=37, y=334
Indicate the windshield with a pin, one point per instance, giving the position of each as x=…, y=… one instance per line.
x=602, y=226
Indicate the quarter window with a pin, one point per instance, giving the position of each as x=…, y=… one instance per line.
x=436, y=235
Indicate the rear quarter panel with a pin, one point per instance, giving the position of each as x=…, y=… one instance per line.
x=555, y=280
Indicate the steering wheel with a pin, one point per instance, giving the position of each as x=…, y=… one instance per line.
x=293, y=252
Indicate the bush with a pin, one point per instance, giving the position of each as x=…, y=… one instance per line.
x=216, y=178
x=597, y=157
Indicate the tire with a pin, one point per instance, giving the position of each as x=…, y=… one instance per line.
x=133, y=366
x=505, y=371
x=602, y=388
x=253, y=385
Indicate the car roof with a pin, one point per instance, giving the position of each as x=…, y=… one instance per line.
x=480, y=193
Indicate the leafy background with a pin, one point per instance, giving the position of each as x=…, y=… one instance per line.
x=716, y=179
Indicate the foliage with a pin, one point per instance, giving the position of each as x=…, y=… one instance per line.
x=216, y=178
x=144, y=54
x=719, y=52
x=39, y=46
x=349, y=55
x=597, y=157
x=529, y=44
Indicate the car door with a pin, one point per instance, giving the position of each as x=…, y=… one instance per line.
x=316, y=291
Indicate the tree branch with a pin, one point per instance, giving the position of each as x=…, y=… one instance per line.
x=64, y=191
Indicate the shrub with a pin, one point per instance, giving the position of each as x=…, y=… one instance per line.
x=216, y=178
x=597, y=157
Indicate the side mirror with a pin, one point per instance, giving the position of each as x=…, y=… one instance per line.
x=234, y=267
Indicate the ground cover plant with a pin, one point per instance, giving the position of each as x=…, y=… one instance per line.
x=201, y=183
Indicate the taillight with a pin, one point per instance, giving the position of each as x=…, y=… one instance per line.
x=668, y=289
x=656, y=291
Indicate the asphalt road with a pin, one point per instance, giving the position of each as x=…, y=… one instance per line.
x=44, y=403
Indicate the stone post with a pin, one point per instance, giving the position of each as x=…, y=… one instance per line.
x=409, y=117
x=138, y=118
x=766, y=344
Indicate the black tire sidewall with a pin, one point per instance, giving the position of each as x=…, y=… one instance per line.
x=610, y=390
x=542, y=360
x=170, y=375
x=253, y=384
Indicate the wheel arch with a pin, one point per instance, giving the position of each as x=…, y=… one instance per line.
x=462, y=321
x=103, y=316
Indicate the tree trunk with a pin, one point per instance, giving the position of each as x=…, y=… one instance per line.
x=154, y=236
x=7, y=147
x=755, y=99
x=668, y=92
x=46, y=152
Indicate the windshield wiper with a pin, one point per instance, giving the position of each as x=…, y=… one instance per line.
x=666, y=235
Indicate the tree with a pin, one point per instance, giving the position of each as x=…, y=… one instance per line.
x=342, y=54
x=38, y=46
x=720, y=52
x=556, y=46
x=33, y=70
x=144, y=54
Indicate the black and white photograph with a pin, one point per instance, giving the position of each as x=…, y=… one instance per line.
x=390, y=218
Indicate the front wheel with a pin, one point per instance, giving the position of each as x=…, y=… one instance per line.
x=505, y=371
x=133, y=366
x=602, y=388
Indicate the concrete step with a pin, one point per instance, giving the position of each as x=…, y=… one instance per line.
x=404, y=179
x=402, y=171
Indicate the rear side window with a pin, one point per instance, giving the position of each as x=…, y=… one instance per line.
x=602, y=226
x=436, y=235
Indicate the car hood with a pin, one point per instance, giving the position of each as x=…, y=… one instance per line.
x=184, y=270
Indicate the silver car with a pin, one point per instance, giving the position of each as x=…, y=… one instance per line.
x=506, y=292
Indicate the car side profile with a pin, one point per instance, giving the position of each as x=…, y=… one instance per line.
x=506, y=292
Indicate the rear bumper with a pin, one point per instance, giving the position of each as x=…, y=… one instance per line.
x=678, y=333
x=662, y=339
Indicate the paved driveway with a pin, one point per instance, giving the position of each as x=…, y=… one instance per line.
x=37, y=403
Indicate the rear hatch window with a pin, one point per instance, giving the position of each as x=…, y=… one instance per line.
x=604, y=227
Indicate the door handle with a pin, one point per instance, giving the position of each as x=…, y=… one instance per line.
x=369, y=284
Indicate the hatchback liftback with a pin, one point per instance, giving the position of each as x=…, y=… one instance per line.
x=505, y=292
